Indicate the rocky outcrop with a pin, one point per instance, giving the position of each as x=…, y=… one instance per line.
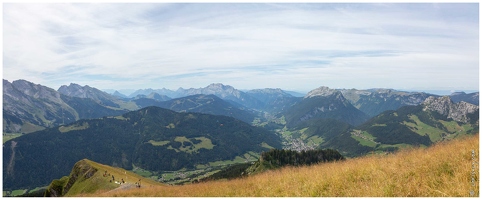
x=457, y=111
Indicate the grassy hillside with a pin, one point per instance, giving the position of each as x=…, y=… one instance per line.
x=89, y=177
x=444, y=169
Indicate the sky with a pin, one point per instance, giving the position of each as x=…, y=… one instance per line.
x=298, y=47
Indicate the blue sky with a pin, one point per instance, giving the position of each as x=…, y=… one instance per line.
x=290, y=46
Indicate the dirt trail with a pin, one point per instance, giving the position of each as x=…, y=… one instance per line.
x=124, y=186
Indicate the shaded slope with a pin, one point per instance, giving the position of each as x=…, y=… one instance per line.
x=324, y=103
x=472, y=98
x=207, y=104
x=152, y=138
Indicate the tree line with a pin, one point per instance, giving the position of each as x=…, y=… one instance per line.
x=285, y=157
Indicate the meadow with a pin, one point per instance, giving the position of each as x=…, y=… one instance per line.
x=446, y=169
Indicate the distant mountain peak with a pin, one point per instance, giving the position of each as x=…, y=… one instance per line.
x=219, y=86
x=321, y=91
x=118, y=94
x=76, y=90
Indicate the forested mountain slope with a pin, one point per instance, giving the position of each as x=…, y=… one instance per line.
x=152, y=138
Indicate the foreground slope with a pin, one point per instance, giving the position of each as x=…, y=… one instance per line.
x=445, y=169
x=152, y=138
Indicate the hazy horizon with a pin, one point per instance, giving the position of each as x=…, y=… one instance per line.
x=128, y=92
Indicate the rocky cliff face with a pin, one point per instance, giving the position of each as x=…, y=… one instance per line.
x=29, y=107
x=103, y=98
x=39, y=106
x=457, y=111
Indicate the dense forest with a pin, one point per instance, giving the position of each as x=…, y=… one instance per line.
x=285, y=157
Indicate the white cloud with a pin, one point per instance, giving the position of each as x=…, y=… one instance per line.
x=294, y=46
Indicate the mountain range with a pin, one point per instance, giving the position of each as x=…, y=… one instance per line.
x=30, y=107
x=164, y=130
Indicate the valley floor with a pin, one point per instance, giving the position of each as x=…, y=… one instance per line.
x=447, y=169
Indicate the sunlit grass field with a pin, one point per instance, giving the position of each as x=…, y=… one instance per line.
x=446, y=169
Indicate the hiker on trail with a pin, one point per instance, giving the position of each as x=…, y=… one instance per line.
x=113, y=178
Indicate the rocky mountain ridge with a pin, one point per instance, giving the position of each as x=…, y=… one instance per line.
x=321, y=91
x=376, y=101
x=101, y=97
x=47, y=107
x=37, y=105
x=29, y=107
x=445, y=106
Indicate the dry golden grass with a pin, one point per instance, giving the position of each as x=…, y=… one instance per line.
x=442, y=170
